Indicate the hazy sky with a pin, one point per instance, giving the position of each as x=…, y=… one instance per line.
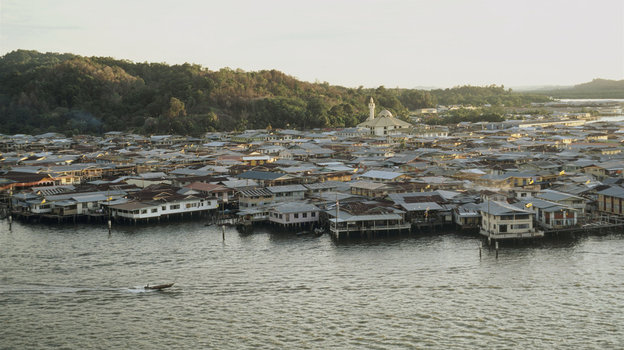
x=405, y=43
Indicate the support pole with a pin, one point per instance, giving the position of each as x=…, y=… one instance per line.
x=223, y=232
x=10, y=222
x=480, y=245
x=110, y=226
x=496, y=249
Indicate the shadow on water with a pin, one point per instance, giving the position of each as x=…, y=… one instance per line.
x=403, y=238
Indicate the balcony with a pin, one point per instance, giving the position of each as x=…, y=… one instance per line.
x=533, y=233
x=368, y=228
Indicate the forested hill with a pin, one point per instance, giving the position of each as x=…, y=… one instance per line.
x=41, y=92
x=597, y=88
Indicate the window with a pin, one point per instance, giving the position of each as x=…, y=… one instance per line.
x=143, y=211
x=163, y=207
x=313, y=214
x=305, y=215
x=154, y=210
x=174, y=206
x=296, y=216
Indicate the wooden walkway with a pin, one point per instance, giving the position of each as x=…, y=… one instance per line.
x=587, y=229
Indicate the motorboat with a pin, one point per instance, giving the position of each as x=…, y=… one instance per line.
x=159, y=286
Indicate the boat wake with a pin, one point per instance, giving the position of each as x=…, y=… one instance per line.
x=49, y=289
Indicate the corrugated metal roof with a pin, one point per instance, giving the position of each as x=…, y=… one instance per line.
x=501, y=208
x=423, y=206
x=90, y=198
x=295, y=207
x=260, y=175
x=132, y=206
x=286, y=188
x=378, y=174
x=613, y=191
x=256, y=192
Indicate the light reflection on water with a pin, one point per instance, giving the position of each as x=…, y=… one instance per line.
x=76, y=287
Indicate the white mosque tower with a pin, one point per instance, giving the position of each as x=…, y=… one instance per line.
x=385, y=123
x=371, y=108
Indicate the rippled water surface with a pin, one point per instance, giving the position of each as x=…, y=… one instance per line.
x=75, y=287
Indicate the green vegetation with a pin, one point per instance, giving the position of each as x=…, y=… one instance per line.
x=494, y=114
x=597, y=88
x=42, y=92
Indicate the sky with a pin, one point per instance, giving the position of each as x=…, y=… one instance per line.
x=395, y=43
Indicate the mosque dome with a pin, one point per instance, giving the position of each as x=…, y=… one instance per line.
x=384, y=113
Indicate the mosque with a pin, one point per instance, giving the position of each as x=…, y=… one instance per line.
x=384, y=124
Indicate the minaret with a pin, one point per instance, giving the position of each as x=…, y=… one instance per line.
x=371, y=108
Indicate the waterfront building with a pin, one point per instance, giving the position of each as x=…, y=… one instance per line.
x=551, y=215
x=610, y=200
x=467, y=216
x=294, y=214
x=255, y=197
x=423, y=207
x=501, y=220
x=577, y=203
x=221, y=193
x=365, y=219
x=162, y=207
x=287, y=192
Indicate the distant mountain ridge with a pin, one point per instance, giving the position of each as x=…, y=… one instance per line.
x=597, y=88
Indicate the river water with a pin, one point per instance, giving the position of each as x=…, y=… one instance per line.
x=76, y=287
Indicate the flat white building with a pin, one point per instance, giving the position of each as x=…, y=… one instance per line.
x=138, y=210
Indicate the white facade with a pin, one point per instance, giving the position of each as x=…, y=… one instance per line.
x=500, y=220
x=142, y=210
x=294, y=214
x=371, y=109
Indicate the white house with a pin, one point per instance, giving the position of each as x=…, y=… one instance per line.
x=294, y=214
x=143, y=210
x=501, y=220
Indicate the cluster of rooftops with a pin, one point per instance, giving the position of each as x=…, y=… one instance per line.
x=417, y=175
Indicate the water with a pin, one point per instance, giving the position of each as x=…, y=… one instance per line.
x=75, y=287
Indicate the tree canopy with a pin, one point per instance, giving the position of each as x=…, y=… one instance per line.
x=42, y=92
